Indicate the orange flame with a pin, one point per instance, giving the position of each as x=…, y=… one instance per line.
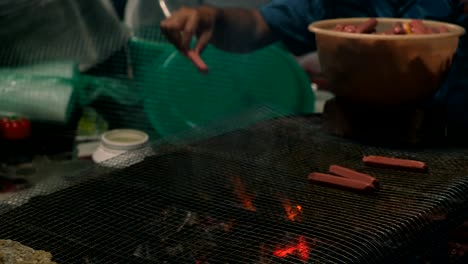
x=300, y=250
x=245, y=198
x=293, y=212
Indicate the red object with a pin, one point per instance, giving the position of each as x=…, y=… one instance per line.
x=293, y=211
x=341, y=182
x=241, y=192
x=12, y=185
x=398, y=29
x=368, y=26
x=415, y=26
x=321, y=83
x=352, y=174
x=443, y=29
x=339, y=27
x=197, y=60
x=386, y=162
x=12, y=128
x=350, y=29
x=418, y=27
x=301, y=250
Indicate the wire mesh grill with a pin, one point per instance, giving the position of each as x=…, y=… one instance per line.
x=243, y=197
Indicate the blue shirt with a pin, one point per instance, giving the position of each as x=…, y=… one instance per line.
x=289, y=19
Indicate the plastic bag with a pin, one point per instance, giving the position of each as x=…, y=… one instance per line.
x=85, y=31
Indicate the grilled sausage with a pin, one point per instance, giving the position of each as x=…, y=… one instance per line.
x=442, y=29
x=367, y=27
x=352, y=174
x=386, y=162
x=407, y=28
x=350, y=29
x=339, y=27
x=340, y=182
x=398, y=29
x=197, y=60
x=417, y=27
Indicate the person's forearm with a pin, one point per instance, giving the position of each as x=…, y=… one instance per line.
x=240, y=30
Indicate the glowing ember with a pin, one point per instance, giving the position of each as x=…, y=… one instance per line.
x=244, y=197
x=293, y=212
x=301, y=250
x=247, y=203
x=228, y=226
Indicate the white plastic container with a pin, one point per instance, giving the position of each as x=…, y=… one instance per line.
x=117, y=142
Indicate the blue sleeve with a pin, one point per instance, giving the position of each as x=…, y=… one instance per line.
x=289, y=19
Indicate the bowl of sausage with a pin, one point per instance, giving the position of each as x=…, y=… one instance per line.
x=385, y=61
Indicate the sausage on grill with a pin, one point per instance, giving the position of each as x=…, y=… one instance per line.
x=340, y=182
x=386, y=162
x=353, y=175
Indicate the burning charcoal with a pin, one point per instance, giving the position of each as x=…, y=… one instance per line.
x=457, y=251
x=142, y=251
x=210, y=224
x=189, y=220
x=167, y=236
x=176, y=250
x=180, y=236
x=241, y=193
x=227, y=227
x=300, y=249
x=171, y=219
x=293, y=211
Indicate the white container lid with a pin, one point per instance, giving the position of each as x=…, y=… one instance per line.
x=119, y=141
x=124, y=139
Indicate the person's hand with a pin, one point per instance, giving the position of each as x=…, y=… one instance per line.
x=186, y=23
x=311, y=65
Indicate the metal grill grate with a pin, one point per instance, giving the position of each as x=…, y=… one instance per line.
x=243, y=197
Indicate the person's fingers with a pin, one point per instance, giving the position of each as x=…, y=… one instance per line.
x=189, y=30
x=175, y=38
x=172, y=36
x=197, y=61
x=203, y=40
x=172, y=28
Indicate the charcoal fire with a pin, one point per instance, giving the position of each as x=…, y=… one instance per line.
x=293, y=211
x=246, y=199
x=188, y=237
x=300, y=250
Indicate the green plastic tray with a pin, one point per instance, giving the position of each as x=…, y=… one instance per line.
x=178, y=97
